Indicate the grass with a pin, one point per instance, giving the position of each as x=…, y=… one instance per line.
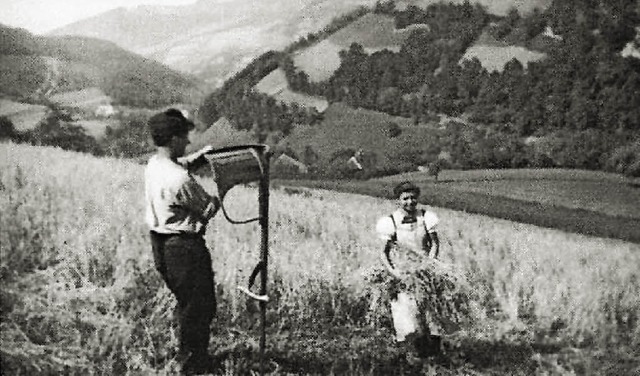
x=80, y=295
x=219, y=134
x=319, y=61
x=86, y=98
x=344, y=127
x=275, y=85
x=23, y=116
x=374, y=32
x=497, y=7
x=596, y=191
x=494, y=58
x=584, y=202
x=97, y=128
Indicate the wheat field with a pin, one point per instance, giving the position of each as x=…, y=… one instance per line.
x=80, y=295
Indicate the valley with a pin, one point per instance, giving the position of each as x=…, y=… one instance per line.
x=518, y=120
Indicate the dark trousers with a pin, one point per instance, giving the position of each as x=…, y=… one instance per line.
x=184, y=262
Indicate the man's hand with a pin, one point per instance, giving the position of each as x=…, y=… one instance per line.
x=204, y=150
x=195, y=160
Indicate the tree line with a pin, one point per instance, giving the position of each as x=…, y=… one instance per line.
x=250, y=110
x=577, y=107
x=130, y=139
x=583, y=83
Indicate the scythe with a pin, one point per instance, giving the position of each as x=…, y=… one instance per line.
x=239, y=165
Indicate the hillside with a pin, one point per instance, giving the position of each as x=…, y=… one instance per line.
x=548, y=88
x=211, y=39
x=36, y=68
x=276, y=86
x=374, y=32
x=215, y=39
x=23, y=116
x=497, y=7
x=584, y=202
x=80, y=294
x=388, y=141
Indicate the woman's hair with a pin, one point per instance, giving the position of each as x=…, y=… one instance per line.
x=405, y=186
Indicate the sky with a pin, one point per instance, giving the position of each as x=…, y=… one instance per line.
x=41, y=16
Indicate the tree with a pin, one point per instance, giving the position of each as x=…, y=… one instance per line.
x=389, y=100
x=54, y=130
x=626, y=160
x=130, y=139
x=209, y=112
x=393, y=130
x=384, y=7
x=470, y=80
x=582, y=111
x=309, y=156
x=435, y=168
x=7, y=129
x=534, y=24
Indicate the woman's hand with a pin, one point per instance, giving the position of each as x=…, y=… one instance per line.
x=393, y=271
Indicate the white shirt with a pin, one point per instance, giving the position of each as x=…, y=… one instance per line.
x=353, y=161
x=408, y=235
x=175, y=201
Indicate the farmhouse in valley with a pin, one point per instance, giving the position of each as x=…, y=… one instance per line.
x=105, y=110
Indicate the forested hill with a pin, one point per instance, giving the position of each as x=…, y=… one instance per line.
x=577, y=106
x=33, y=66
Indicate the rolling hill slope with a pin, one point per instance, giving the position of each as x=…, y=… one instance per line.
x=81, y=294
x=211, y=39
x=23, y=116
x=374, y=32
x=38, y=67
x=214, y=39
x=388, y=142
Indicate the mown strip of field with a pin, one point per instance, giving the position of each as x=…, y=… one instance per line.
x=573, y=220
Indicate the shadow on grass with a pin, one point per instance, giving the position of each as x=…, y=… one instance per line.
x=369, y=352
x=499, y=357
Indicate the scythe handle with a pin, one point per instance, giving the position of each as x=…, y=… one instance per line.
x=263, y=200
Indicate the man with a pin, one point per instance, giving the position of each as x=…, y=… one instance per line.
x=177, y=212
x=409, y=235
x=353, y=164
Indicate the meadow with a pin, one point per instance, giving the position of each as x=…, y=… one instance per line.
x=23, y=116
x=597, y=191
x=374, y=32
x=592, y=203
x=275, y=85
x=494, y=58
x=498, y=7
x=79, y=293
x=89, y=98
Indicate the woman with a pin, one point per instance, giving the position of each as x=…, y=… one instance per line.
x=410, y=236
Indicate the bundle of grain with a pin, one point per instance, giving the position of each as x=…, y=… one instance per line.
x=442, y=292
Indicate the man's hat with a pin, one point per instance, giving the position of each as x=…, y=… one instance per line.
x=167, y=124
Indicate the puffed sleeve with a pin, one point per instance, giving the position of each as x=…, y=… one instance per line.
x=431, y=220
x=385, y=228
